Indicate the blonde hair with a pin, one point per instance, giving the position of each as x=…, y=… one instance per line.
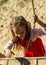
x=20, y=21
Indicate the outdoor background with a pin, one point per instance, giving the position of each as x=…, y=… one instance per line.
x=11, y=8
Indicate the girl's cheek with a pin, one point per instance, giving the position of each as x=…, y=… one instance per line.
x=22, y=36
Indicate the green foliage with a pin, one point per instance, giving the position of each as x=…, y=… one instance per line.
x=3, y=1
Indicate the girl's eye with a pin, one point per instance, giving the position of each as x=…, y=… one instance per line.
x=22, y=33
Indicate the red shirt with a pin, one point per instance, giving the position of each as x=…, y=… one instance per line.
x=36, y=48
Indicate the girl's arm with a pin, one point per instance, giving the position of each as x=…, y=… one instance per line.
x=42, y=24
x=9, y=45
x=39, y=21
x=7, y=49
x=40, y=31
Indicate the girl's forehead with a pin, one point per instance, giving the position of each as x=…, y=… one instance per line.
x=23, y=26
x=19, y=28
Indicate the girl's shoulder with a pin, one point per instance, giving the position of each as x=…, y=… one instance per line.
x=37, y=39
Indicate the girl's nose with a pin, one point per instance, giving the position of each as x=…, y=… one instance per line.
x=18, y=35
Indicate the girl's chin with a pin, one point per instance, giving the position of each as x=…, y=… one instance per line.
x=21, y=38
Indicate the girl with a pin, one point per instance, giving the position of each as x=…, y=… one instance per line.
x=26, y=38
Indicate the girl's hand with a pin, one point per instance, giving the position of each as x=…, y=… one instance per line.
x=36, y=18
x=8, y=53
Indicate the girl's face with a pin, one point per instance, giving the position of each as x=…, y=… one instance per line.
x=20, y=31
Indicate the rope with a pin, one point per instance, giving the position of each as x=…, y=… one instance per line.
x=33, y=12
x=34, y=23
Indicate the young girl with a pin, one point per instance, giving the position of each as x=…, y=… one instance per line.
x=26, y=38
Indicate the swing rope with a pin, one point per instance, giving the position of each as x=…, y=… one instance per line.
x=34, y=22
x=33, y=12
